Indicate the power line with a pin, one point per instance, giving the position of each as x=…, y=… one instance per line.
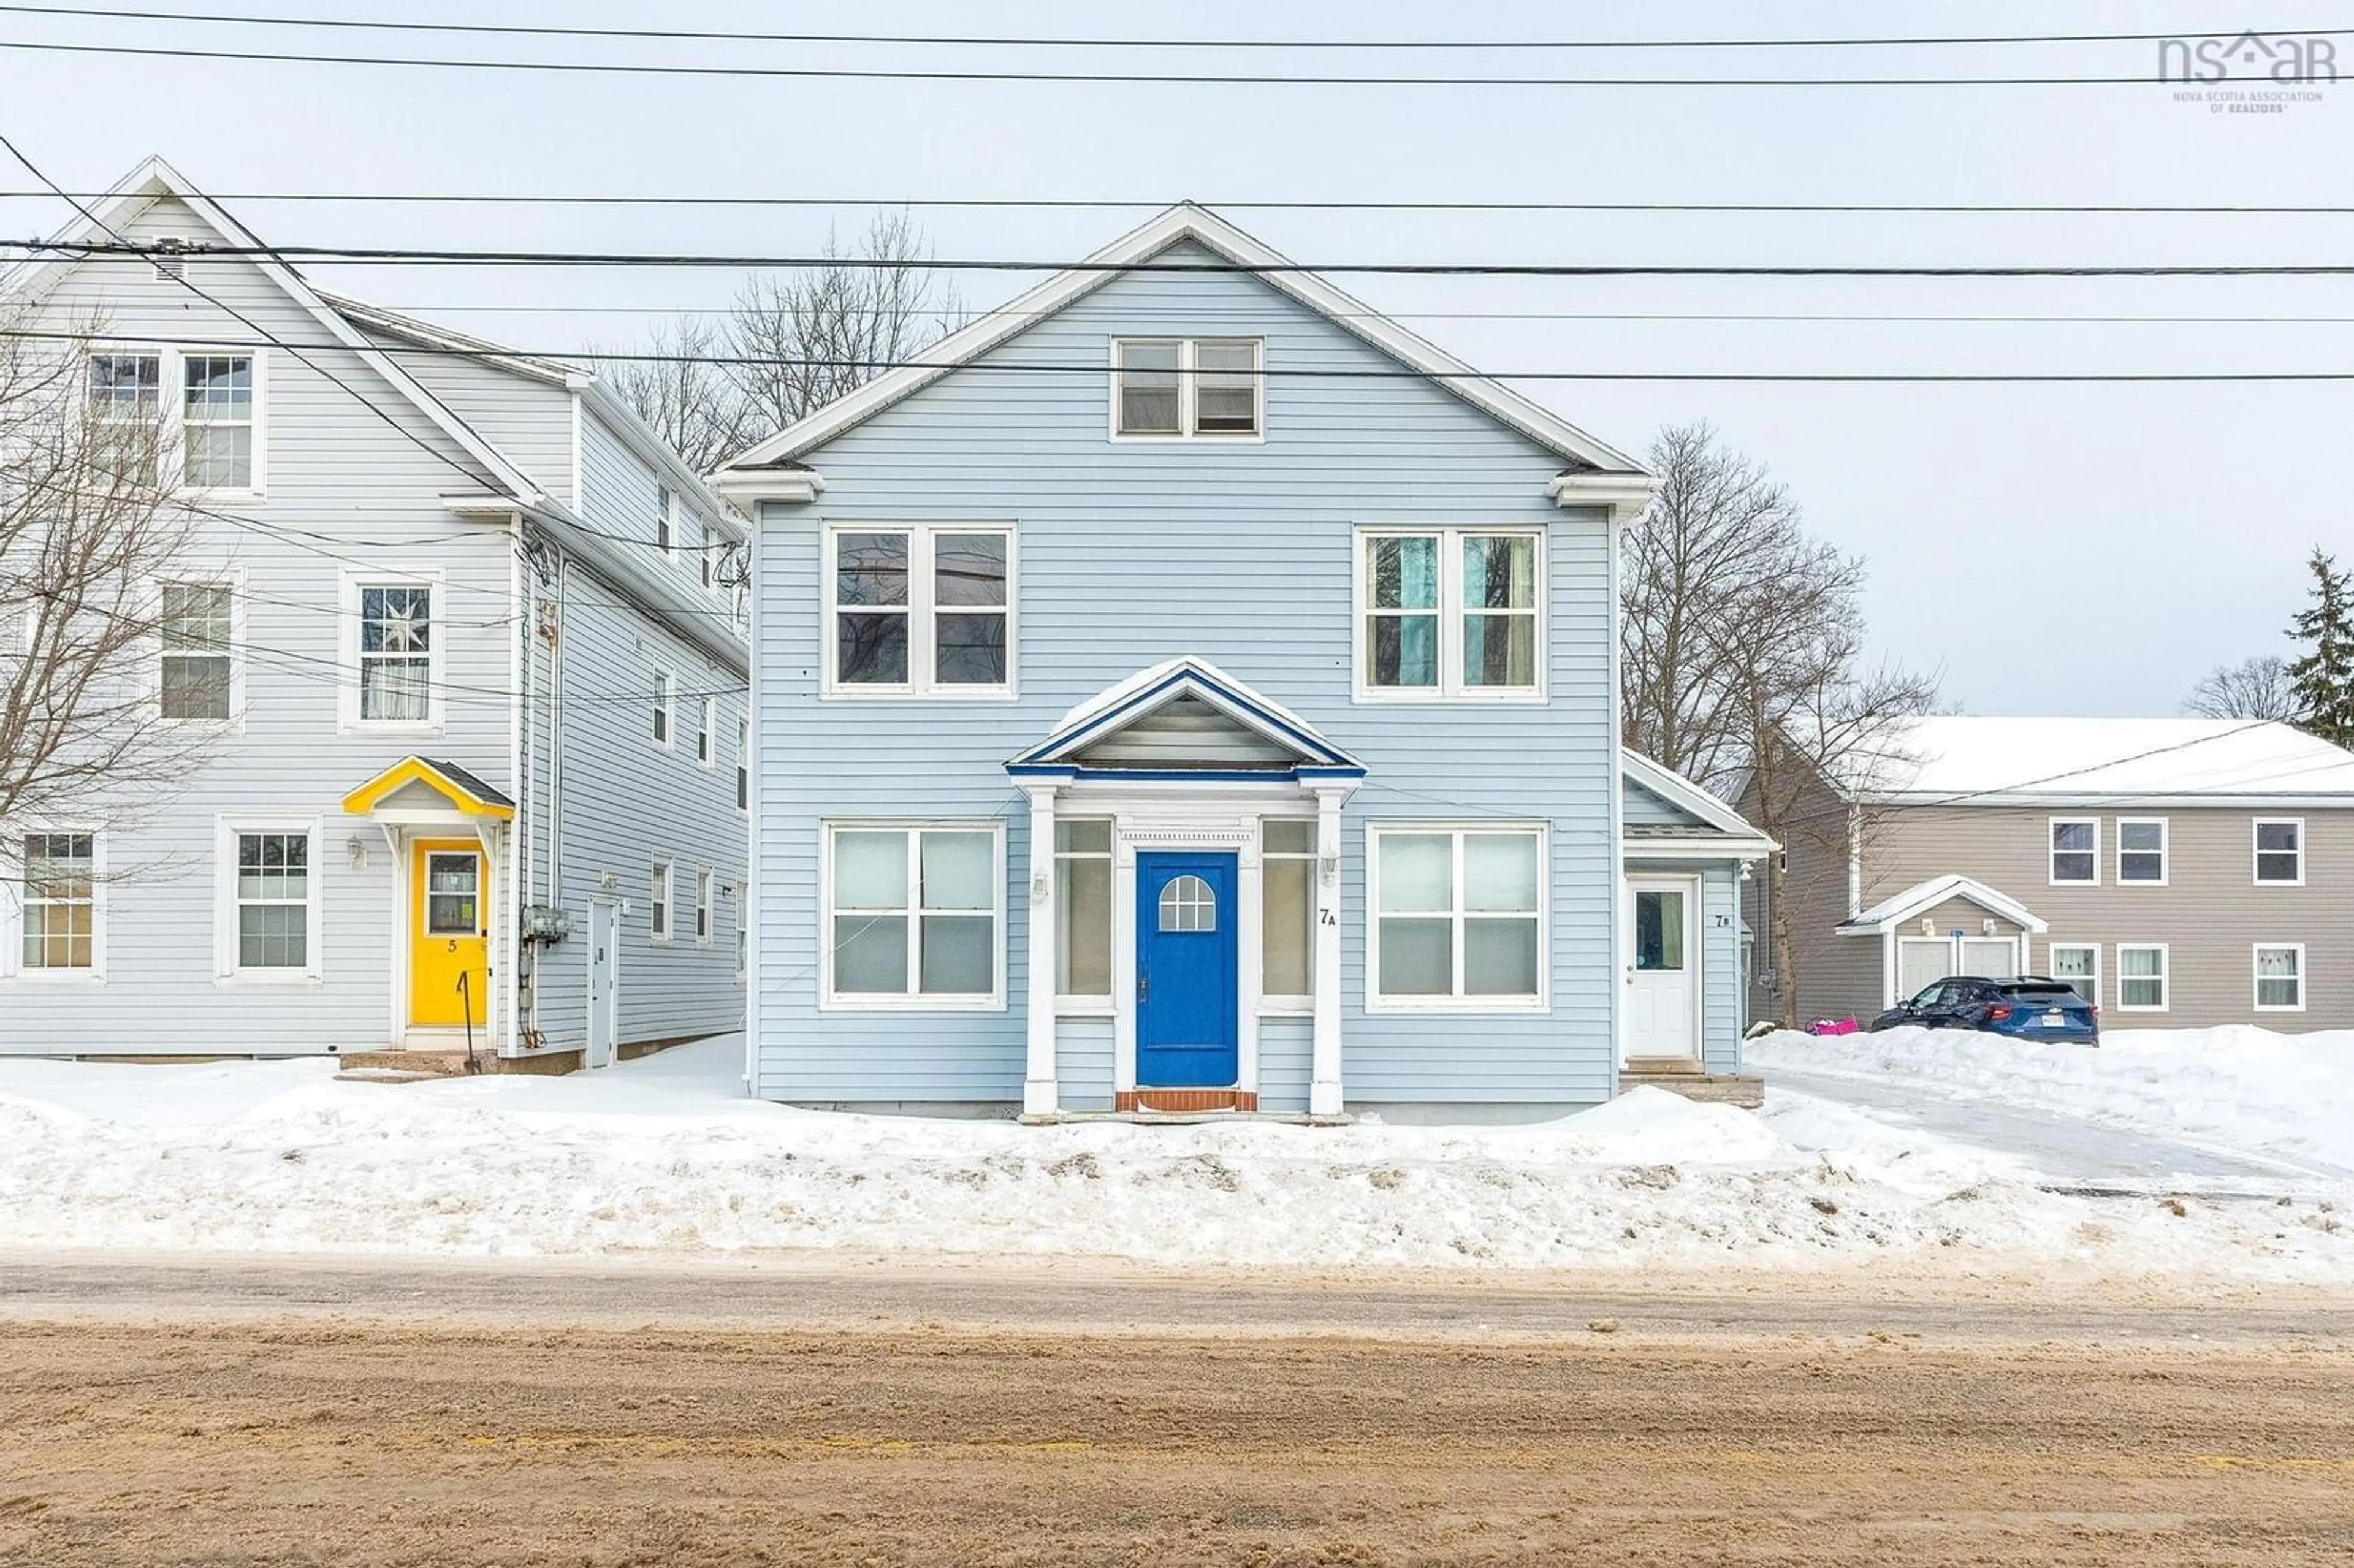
x=1278, y=373
x=1089, y=203
x=1106, y=42
x=358, y=255
x=1126, y=78
x=1188, y=313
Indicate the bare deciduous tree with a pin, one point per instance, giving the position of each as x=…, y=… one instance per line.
x=1742, y=658
x=2258, y=688
x=791, y=343
x=91, y=543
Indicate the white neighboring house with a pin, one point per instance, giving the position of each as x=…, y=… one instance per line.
x=476, y=780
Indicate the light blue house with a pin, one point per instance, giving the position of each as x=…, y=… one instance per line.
x=1187, y=690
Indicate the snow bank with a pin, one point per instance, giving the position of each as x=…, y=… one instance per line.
x=665, y=1157
x=2289, y=1096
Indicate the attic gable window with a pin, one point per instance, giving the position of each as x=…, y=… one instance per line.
x=1174, y=389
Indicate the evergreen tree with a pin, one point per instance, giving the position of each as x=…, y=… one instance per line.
x=2323, y=677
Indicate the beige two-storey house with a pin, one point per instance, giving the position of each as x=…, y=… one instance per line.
x=2180, y=873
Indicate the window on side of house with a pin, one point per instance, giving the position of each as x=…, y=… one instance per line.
x=913, y=916
x=666, y=707
x=195, y=620
x=2141, y=851
x=2076, y=849
x=126, y=398
x=2280, y=852
x=395, y=653
x=2142, y=978
x=702, y=927
x=923, y=610
x=1459, y=917
x=706, y=732
x=665, y=520
x=275, y=896
x=2079, y=963
x=1083, y=922
x=217, y=421
x=1451, y=612
x=742, y=765
x=1174, y=389
x=60, y=906
x=1288, y=927
x=658, y=905
x=2280, y=977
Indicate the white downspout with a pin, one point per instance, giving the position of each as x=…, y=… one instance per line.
x=1040, y=1094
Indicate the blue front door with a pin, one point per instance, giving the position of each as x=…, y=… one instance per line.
x=1185, y=971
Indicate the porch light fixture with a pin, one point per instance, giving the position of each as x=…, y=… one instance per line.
x=1042, y=886
x=1328, y=870
x=1928, y=925
x=1986, y=928
x=355, y=851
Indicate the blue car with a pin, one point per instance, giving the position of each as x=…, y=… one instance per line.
x=2033, y=1007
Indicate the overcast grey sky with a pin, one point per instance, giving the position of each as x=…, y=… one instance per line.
x=2085, y=549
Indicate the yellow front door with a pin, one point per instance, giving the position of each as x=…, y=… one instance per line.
x=448, y=965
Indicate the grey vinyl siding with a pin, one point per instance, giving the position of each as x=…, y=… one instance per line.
x=2211, y=914
x=1286, y=1065
x=351, y=467
x=1829, y=973
x=1645, y=809
x=1128, y=553
x=529, y=420
x=1721, y=1018
x=1083, y=1065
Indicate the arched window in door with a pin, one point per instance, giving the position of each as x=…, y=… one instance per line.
x=1188, y=903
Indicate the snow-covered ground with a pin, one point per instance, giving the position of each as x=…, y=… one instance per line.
x=2240, y=1090
x=665, y=1157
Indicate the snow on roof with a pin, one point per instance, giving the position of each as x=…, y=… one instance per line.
x=1968, y=760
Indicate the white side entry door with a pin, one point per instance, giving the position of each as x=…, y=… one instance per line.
x=1662, y=967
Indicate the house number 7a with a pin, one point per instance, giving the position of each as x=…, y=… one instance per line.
x=1327, y=917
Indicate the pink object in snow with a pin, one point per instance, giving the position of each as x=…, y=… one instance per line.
x=1833, y=1026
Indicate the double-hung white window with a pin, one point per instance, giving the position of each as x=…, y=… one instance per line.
x=659, y=924
x=2280, y=852
x=1288, y=899
x=198, y=675
x=2079, y=964
x=270, y=910
x=2076, y=849
x=703, y=927
x=665, y=708
x=217, y=421
x=2142, y=982
x=1458, y=918
x=1450, y=612
x=61, y=906
x=744, y=764
x=1178, y=389
x=393, y=649
x=919, y=610
x=707, y=733
x=1083, y=923
x=2280, y=977
x=211, y=432
x=665, y=520
x=2141, y=851
x=915, y=916
x=126, y=404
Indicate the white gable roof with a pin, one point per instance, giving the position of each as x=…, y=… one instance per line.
x=1137, y=247
x=1173, y=681
x=1966, y=760
x=1923, y=896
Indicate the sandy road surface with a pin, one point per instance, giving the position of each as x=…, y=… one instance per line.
x=330, y=1436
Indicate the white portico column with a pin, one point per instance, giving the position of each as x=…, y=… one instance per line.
x=1038, y=1090
x=1325, y=1078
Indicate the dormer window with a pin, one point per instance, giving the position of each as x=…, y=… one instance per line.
x=1174, y=389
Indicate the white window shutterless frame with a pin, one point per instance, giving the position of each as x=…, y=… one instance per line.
x=914, y=916
x=2074, y=844
x=392, y=632
x=1449, y=614
x=1167, y=389
x=921, y=610
x=213, y=405
x=270, y=896
x=2280, y=852
x=53, y=928
x=1458, y=919
x=200, y=670
x=2280, y=977
x=2079, y=963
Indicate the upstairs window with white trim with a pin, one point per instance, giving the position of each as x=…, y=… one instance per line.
x=703, y=927
x=2076, y=849
x=126, y=402
x=658, y=905
x=742, y=765
x=2141, y=851
x=1458, y=918
x=2142, y=978
x=913, y=916
x=665, y=520
x=924, y=609
x=2280, y=852
x=1288, y=924
x=666, y=707
x=1450, y=612
x=195, y=623
x=217, y=421
x=707, y=733
x=2280, y=977
x=1083, y=908
x=1177, y=389
x=395, y=653
x=61, y=906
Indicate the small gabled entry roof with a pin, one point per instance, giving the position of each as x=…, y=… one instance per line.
x=1923, y=896
x=1184, y=718
x=459, y=790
